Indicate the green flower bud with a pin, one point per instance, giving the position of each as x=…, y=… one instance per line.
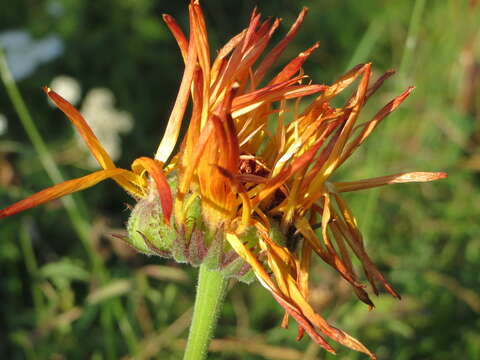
x=191, y=242
x=146, y=227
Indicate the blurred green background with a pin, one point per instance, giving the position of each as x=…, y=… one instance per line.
x=68, y=291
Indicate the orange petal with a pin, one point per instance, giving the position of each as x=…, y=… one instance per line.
x=290, y=169
x=125, y=180
x=389, y=179
x=304, y=269
x=294, y=298
x=372, y=124
x=247, y=255
x=349, y=228
x=296, y=305
x=178, y=34
x=334, y=158
x=275, y=53
x=327, y=329
x=198, y=31
x=60, y=190
x=335, y=260
x=347, y=128
x=238, y=67
x=238, y=188
x=220, y=60
x=304, y=323
x=243, y=104
x=330, y=258
x=372, y=89
x=303, y=273
x=83, y=129
x=294, y=66
x=154, y=168
x=174, y=124
x=233, y=151
x=339, y=239
x=252, y=27
x=198, y=150
x=337, y=87
x=191, y=138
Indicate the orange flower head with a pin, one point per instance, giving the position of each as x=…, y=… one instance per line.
x=250, y=191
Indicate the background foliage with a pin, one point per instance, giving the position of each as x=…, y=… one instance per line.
x=70, y=292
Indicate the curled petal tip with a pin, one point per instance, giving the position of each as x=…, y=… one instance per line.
x=423, y=176
x=47, y=89
x=441, y=175
x=311, y=49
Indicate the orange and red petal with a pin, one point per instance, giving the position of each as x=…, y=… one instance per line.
x=178, y=35
x=294, y=66
x=275, y=53
x=174, y=124
x=83, y=129
x=60, y=190
x=369, y=126
x=419, y=176
x=154, y=169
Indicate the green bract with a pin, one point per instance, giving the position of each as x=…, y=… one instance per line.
x=190, y=242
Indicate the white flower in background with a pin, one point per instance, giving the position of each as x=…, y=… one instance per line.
x=3, y=124
x=106, y=121
x=68, y=87
x=25, y=54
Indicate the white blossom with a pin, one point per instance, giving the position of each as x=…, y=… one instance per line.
x=106, y=122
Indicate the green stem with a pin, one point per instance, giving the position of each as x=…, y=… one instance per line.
x=211, y=291
x=32, y=269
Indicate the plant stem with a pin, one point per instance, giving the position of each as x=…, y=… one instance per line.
x=32, y=269
x=211, y=290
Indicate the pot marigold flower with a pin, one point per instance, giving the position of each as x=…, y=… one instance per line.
x=240, y=196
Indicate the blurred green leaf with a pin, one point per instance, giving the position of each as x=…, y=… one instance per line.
x=64, y=269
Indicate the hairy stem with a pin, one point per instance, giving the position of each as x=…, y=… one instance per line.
x=211, y=291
